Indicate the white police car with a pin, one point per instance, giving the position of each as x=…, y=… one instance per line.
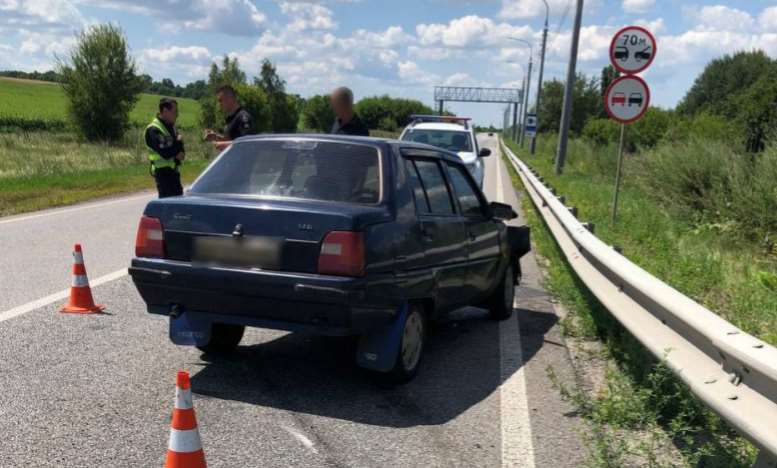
x=451, y=133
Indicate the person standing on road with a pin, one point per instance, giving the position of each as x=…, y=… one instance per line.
x=346, y=120
x=165, y=149
x=238, y=122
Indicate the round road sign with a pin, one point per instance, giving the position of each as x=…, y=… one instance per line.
x=632, y=49
x=627, y=99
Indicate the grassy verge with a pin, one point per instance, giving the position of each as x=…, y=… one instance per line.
x=639, y=403
x=45, y=169
x=43, y=106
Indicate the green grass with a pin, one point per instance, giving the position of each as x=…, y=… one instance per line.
x=33, y=104
x=45, y=169
x=640, y=395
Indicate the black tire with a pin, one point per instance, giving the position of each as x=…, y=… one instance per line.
x=411, y=346
x=500, y=305
x=224, y=338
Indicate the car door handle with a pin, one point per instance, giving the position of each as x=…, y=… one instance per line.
x=426, y=234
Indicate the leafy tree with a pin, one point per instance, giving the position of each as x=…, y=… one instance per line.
x=376, y=109
x=586, y=103
x=100, y=83
x=229, y=73
x=283, y=111
x=757, y=112
x=715, y=90
x=317, y=114
x=255, y=101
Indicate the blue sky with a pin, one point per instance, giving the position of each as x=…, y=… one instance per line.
x=399, y=47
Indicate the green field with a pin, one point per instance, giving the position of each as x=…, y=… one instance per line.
x=31, y=102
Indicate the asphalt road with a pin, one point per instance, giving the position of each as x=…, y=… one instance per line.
x=98, y=390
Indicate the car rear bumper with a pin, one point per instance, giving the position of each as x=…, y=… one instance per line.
x=287, y=301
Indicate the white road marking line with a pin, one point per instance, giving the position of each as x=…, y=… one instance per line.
x=57, y=296
x=87, y=206
x=304, y=440
x=517, y=445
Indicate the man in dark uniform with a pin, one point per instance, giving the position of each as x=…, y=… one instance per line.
x=165, y=149
x=238, y=122
x=346, y=120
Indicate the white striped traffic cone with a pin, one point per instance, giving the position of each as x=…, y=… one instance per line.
x=185, y=448
x=80, y=301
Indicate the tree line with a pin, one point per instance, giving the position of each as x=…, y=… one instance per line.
x=734, y=98
x=101, y=82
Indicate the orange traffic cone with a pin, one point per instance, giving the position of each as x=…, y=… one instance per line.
x=185, y=447
x=81, y=301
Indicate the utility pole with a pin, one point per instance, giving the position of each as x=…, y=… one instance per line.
x=566, y=113
x=533, y=144
x=515, y=122
x=526, y=103
x=526, y=88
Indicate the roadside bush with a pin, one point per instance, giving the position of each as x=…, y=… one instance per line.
x=317, y=114
x=704, y=126
x=100, y=83
x=377, y=110
x=711, y=184
x=644, y=133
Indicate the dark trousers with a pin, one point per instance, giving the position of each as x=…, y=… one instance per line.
x=168, y=182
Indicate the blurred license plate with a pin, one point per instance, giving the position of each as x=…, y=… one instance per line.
x=253, y=252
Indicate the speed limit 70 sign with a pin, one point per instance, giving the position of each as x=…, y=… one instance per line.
x=632, y=49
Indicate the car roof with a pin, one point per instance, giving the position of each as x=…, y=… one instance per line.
x=397, y=145
x=439, y=126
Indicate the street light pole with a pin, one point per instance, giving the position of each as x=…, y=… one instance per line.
x=533, y=145
x=518, y=112
x=528, y=86
x=566, y=113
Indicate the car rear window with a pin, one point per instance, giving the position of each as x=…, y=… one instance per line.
x=458, y=142
x=306, y=169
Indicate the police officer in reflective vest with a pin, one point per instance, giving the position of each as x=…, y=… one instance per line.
x=165, y=149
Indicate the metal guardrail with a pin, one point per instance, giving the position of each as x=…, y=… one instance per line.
x=732, y=372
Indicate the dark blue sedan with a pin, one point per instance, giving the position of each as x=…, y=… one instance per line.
x=331, y=235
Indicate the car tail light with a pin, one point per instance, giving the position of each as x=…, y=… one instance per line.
x=150, y=241
x=342, y=254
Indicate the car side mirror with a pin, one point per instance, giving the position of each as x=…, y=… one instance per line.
x=502, y=211
x=484, y=152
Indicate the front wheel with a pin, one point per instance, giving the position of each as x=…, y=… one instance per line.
x=224, y=338
x=500, y=305
x=411, y=346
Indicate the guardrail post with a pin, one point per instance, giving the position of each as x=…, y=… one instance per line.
x=765, y=460
x=590, y=226
x=562, y=199
x=573, y=210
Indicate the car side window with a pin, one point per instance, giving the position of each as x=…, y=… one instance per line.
x=421, y=203
x=468, y=198
x=434, y=184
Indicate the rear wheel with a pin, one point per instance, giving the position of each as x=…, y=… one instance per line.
x=500, y=305
x=224, y=338
x=411, y=346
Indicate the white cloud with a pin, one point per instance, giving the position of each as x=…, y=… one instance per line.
x=191, y=54
x=768, y=19
x=233, y=17
x=655, y=26
x=521, y=9
x=308, y=15
x=469, y=31
x=723, y=18
x=40, y=15
x=411, y=73
x=638, y=6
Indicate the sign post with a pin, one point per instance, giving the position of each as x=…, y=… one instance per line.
x=531, y=125
x=627, y=98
